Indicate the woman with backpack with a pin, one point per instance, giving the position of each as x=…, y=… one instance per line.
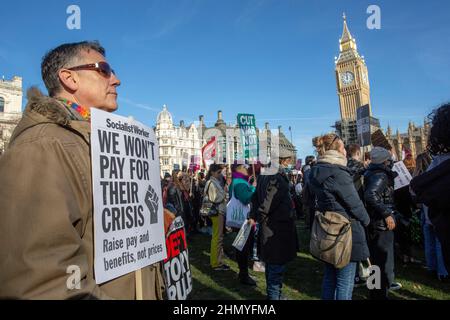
x=337, y=199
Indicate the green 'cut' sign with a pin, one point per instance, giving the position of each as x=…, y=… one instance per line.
x=247, y=126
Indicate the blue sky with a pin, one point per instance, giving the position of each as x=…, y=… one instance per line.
x=273, y=58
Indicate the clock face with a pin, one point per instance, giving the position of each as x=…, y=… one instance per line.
x=347, y=77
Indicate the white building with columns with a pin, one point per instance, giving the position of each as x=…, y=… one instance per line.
x=175, y=140
x=10, y=108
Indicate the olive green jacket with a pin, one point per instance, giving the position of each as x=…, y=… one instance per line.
x=46, y=211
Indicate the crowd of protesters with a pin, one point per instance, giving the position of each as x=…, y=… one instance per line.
x=362, y=190
x=201, y=199
x=342, y=179
x=46, y=198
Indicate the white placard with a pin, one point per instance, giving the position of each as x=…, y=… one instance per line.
x=404, y=177
x=242, y=236
x=128, y=210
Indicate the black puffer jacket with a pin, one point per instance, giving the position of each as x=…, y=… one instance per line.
x=334, y=190
x=379, y=194
x=433, y=189
x=272, y=208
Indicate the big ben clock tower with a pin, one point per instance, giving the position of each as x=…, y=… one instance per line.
x=351, y=76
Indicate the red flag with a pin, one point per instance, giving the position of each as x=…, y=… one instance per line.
x=209, y=151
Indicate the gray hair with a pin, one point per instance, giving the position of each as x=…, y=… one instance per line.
x=62, y=57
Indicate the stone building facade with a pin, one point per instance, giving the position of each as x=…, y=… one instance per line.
x=176, y=140
x=10, y=108
x=415, y=139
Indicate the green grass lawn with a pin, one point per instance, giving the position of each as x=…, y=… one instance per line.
x=302, y=280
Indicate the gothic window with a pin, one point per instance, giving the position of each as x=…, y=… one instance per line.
x=2, y=104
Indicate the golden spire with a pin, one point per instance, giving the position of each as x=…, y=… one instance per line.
x=347, y=41
x=346, y=36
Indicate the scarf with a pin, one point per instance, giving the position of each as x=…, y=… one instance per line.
x=84, y=112
x=238, y=175
x=333, y=157
x=219, y=185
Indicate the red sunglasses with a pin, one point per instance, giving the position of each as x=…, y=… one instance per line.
x=102, y=67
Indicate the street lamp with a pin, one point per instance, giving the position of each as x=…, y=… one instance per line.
x=290, y=130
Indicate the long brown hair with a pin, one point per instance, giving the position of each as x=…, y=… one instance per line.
x=175, y=179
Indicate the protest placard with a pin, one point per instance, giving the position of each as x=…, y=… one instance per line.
x=178, y=276
x=298, y=164
x=195, y=163
x=363, y=125
x=242, y=236
x=379, y=140
x=249, y=138
x=404, y=177
x=128, y=211
x=185, y=160
x=209, y=152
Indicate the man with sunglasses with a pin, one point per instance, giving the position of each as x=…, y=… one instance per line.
x=46, y=220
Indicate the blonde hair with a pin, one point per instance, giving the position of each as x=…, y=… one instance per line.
x=329, y=141
x=175, y=179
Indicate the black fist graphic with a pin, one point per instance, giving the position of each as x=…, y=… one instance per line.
x=151, y=200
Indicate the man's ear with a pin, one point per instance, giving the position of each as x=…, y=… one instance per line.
x=69, y=80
